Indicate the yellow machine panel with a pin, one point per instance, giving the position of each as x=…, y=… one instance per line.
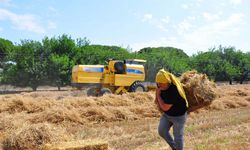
x=87, y=73
x=118, y=76
x=135, y=69
x=127, y=79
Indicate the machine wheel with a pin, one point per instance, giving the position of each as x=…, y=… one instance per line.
x=104, y=91
x=137, y=87
x=93, y=91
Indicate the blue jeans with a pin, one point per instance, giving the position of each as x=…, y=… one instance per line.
x=166, y=122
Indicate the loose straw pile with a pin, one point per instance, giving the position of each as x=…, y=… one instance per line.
x=199, y=90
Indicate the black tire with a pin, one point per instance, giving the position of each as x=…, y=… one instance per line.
x=104, y=91
x=92, y=92
x=119, y=67
x=137, y=87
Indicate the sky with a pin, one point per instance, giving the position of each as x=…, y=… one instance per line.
x=191, y=25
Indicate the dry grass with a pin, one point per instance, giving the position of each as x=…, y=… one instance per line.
x=199, y=90
x=126, y=121
x=33, y=136
x=78, y=145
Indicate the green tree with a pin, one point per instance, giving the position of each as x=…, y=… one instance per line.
x=172, y=59
x=29, y=69
x=62, y=51
x=82, y=42
x=222, y=64
x=58, y=70
x=6, y=48
x=244, y=67
x=98, y=54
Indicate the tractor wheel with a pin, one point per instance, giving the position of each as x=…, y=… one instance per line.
x=104, y=91
x=93, y=91
x=137, y=87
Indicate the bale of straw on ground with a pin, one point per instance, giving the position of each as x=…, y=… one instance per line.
x=32, y=137
x=78, y=145
x=199, y=90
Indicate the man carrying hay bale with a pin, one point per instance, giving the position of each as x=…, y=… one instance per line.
x=175, y=98
x=171, y=99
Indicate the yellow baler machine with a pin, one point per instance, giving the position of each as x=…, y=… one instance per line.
x=115, y=77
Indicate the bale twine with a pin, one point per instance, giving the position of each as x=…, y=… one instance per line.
x=199, y=90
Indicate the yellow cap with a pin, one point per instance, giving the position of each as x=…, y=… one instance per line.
x=163, y=77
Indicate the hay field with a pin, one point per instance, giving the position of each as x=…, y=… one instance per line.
x=29, y=120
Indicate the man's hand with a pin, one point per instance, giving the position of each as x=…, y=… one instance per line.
x=158, y=92
x=161, y=104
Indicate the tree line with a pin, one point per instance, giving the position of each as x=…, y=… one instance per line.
x=49, y=62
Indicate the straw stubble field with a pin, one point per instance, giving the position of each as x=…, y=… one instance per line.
x=29, y=120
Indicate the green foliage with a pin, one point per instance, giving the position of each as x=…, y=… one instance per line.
x=244, y=67
x=206, y=62
x=60, y=59
x=29, y=67
x=172, y=59
x=223, y=64
x=8, y=74
x=59, y=67
x=98, y=54
x=6, y=47
x=50, y=62
x=82, y=42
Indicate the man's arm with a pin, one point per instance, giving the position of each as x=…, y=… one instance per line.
x=163, y=106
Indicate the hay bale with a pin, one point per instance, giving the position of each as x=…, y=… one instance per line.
x=31, y=137
x=199, y=90
x=78, y=145
x=57, y=115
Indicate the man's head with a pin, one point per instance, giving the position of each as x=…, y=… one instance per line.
x=163, y=79
x=163, y=86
